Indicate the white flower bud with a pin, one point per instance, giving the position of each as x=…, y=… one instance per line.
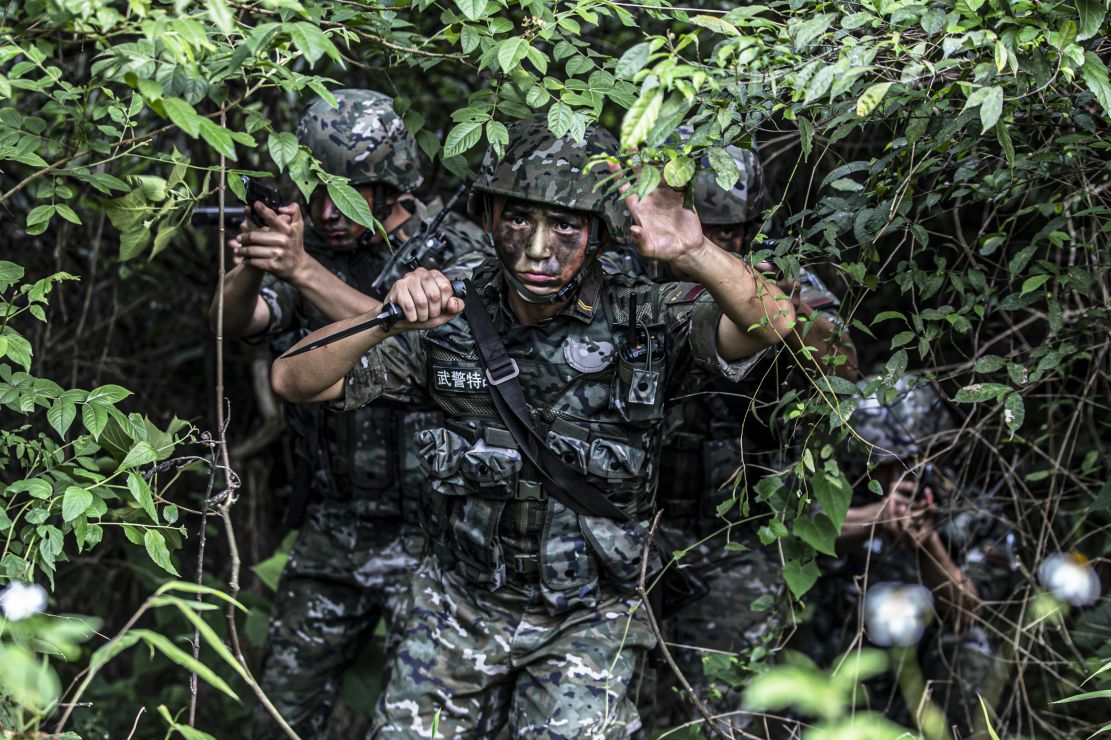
x=22, y=600
x=897, y=613
x=1070, y=577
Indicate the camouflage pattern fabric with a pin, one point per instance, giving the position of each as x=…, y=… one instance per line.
x=741, y=204
x=361, y=138
x=558, y=172
x=491, y=525
x=364, y=480
x=474, y=659
x=903, y=425
x=344, y=574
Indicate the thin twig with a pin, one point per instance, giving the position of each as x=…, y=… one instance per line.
x=711, y=723
x=199, y=581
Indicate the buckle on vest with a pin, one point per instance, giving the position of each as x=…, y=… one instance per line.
x=529, y=490
x=506, y=372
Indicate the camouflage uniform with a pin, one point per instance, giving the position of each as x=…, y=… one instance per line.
x=360, y=541
x=956, y=665
x=717, y=430
x=526, y=610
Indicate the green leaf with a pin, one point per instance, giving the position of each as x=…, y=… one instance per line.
x=560, y=118
x=498, y=136
x=312, y=42
x=156, y=548
x=1091, y=14
x=641, y=117
x=990, y=101
x=183, y=115
x=10, y=274
x=715, y=24
x=980, y=392
x=75, y=502
x=633, y=60
x=140, y=491
x=141, y=454
x=1101, y=694
x=40, y=215
x=1014, y=412
x=1094, y=72
x=870, y=98
x=511, y=52
x=462, y=138
x=819, y=533
x=472, y=9
x=724, y=167
x=806, y=33
x=800, y=578
x=1030, y=284
x=33, y=487
x=351, y=203
x=108, y=393
x=679, y=171
x=185, y=660
x=68, y=213
x=61, y=415
x=218, y=138
x=283, y=148
x=208, y=634
x=94, y=416
x=220, y=14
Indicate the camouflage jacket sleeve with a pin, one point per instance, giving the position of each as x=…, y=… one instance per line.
x=393, y=369
x=692, y=319
x=284, y=302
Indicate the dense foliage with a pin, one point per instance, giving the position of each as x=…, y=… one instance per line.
x=944, y=164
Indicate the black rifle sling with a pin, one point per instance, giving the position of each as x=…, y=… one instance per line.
x=566, y=485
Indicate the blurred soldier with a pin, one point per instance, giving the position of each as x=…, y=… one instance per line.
x=721, y=442
x=921, y=529
x=527, y=611
x=357, y=477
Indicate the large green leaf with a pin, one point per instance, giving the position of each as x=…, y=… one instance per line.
x=155, y=544
x=462, y=138
x=75, y=502
x=641, y=117
x=1094, y=72
x=511, y=52
x=283, y=148
x=351, y=203
x=1091, y=14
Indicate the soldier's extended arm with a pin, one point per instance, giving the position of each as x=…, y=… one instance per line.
x=280, y=250
x=670, y=233
x=426, y=298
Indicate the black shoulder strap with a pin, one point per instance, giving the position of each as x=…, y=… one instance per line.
x=566, y=485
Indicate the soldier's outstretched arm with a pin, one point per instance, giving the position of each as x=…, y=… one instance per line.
x=668, y=232
x=424, y=296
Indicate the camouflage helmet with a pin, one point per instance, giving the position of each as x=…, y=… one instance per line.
x=906, y=425
x=361, y=138
x=538, y=167
x=717, y=206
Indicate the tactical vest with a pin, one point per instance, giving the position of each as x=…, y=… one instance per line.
x=363, y=457
x=601, y=410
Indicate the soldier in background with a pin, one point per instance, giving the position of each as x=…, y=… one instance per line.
x=527, y=611
x=357, y=478
x=925, y=529
x=721, y=440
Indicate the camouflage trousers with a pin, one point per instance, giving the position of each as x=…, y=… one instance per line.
x=473, y=659
x=716, y=639
x=344, y=574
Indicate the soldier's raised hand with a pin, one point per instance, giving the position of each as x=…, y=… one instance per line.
x=426, y=299
x=664, y=230
x=278, y=247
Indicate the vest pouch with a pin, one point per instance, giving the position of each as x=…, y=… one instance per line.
x=619, y=547
x=360, y=454
x=440, y=453
x=614, y=460
x=572, y=450
x=474, y=539
x=568, y=573
x=637, y=392
x=493, y=469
